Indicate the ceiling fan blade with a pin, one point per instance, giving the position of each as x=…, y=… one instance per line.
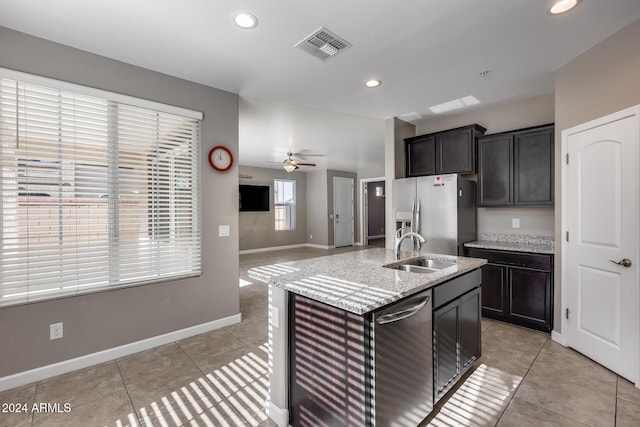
x=305, y=153
x=305, y=164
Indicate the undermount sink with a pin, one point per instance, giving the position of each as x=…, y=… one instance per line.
x=421, y=265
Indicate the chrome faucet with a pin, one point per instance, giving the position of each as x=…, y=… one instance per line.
x=401, y=235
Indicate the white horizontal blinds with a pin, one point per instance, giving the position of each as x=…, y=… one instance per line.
x=95, y=194
x=159, y=186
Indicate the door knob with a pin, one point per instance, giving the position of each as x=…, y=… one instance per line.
x=625, y=262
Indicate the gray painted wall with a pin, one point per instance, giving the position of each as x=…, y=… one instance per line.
x=395, y=132
x=601, y=81
x=108, y=319
x=514, y=115
x=317, y=208
x=320, y=206
x=257, y=229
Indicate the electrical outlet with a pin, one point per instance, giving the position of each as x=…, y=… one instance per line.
x=55, y=331
x=515, y=222
x=310, y=236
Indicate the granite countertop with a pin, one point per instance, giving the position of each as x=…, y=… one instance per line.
x=357, y=281
x=514, y=242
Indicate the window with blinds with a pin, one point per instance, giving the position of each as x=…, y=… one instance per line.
x=284, y=200
x=96, y=193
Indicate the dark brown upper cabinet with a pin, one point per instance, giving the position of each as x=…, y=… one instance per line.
x=450, y=151
x=533, y=167
x=516, y=168
x=421, y=156
x=495, y=165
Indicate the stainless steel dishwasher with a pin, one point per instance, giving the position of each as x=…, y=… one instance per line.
x=403, y=362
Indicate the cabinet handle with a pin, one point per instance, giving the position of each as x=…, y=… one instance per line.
x=402, y=314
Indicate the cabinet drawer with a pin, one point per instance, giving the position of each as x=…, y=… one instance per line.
x=454, y=288
x=520, y=259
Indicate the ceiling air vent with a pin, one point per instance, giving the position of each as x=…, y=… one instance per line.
x=323, y=44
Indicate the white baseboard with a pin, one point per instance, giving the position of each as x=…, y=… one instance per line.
x=278, y=415
x=55, y=369
x=557, y=337
x=299, y=245
x=377, y=236
x=313, y=245
x=273, y=248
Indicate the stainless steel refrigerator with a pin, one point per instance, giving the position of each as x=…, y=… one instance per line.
x=442, y=208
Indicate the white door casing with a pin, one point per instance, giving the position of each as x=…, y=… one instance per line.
x=343, y=211
x=601, y=216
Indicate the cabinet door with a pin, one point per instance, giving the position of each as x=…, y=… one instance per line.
x=533, y=167
x=455, y=151
x=495, y=170
x=530, y=298
x=446, y=323
x=421, y=156
x=493, y=289
x=469, y=328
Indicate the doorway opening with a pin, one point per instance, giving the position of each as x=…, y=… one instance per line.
x=373, y=212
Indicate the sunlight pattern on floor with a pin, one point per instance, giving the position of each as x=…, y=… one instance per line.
x=232, y=395
x=479, y=401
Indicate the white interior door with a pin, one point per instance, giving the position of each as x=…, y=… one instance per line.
x=602, y=221
x=342, y=211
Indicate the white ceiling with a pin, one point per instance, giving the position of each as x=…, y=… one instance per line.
x=426, y=52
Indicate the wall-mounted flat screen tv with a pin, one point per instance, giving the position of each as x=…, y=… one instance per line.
x=254, y=198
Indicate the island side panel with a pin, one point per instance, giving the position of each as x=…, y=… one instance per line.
x=278, y=402
x=329, y=361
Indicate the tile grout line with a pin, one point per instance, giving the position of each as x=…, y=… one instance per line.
x=204, y=376
x=126, y=389
x=547, y=409
x=615, y=404
x=35, y=396
x=523, y=378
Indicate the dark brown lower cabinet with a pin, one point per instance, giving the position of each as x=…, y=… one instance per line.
x=517, y=287
x=456, y=340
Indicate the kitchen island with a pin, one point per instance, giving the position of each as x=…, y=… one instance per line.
x=331, y=361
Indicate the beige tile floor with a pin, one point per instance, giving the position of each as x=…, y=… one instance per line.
x=220, y=379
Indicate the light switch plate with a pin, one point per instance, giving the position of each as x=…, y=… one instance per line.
x=55, y=331
x=224, y=231
x=515, y=222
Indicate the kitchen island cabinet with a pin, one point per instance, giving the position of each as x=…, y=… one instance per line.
x=456, y=340
x=349, y=320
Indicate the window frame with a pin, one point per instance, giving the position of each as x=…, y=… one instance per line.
x=33, y=164
x=288, y=209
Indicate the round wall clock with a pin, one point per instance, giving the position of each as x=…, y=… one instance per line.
x=220, y=158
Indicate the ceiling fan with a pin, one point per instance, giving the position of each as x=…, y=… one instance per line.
x=290, y=164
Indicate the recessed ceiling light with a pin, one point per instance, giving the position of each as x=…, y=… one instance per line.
x=373, y=83
x=562, y=6
x=246, y=20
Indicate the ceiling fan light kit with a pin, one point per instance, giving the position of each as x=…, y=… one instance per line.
x=291, y=164
x=290, y=168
